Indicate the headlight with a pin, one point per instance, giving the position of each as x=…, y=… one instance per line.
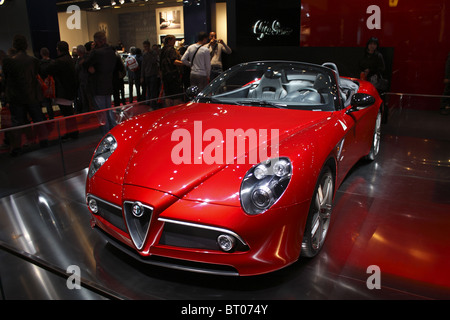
x=104, y=150
x=264, y=184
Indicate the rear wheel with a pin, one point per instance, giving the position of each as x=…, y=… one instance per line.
x=319, y=215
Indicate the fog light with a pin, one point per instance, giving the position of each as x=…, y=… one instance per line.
x=93, y=205
x=226, y=242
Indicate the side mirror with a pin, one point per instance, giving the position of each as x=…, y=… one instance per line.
x=361, y=101
x=192, y=92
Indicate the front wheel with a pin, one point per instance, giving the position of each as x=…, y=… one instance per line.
x=376, y=139
x=319, y=215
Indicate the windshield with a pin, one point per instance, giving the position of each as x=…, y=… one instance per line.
x=289, y=85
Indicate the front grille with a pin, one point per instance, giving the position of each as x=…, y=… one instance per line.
x=179, y=236
x=138, y=223
x=189, y=235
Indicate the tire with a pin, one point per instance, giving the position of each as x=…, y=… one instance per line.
x=319, y=215
x=374, y=150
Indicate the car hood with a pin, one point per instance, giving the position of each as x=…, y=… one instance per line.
x=196, y=128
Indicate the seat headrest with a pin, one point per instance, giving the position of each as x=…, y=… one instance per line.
x=270, y=74
x=321, y=82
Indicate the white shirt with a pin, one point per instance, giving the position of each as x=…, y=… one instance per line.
x=202, y=61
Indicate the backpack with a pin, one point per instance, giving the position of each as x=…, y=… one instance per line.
x=47, y=86
x=131, y=63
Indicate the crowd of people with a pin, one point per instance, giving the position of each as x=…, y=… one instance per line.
x=87, y=78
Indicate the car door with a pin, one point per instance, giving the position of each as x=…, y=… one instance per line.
x=358, y=126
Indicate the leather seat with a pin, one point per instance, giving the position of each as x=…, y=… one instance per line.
x=270, y=87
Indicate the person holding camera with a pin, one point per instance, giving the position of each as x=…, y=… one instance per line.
x=216, y=48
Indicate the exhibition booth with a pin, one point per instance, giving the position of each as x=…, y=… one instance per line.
x=389, y=229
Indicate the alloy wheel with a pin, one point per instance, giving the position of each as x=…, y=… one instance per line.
x=319, y=216
x=322, y=211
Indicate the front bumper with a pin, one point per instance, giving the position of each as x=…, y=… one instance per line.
x=182, y=234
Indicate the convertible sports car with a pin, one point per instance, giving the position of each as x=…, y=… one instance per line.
x=241, y=180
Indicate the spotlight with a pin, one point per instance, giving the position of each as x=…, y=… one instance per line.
x=113, y=3
x=121, y=1
x=95, y=6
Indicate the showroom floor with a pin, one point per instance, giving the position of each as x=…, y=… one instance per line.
x=389, y=227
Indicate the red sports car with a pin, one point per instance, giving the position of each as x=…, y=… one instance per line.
x=241, y=180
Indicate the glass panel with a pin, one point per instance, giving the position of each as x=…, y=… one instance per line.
x=40, y=152
x=27, y=159
x=416, y=115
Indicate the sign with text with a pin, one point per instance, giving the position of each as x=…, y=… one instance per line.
x=266, y=23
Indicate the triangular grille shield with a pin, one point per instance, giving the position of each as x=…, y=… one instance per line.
x=137, y=218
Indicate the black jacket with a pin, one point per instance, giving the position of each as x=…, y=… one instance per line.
x=104, y=62
x=63, y=71
x=22, y=85
x=374, y=62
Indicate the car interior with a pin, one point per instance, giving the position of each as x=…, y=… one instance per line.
x=292, y=88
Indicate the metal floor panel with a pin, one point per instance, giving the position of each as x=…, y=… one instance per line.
x=393, y=213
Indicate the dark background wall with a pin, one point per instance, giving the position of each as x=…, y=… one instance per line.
x=35, y=19
x=197, y=18
x=13, y=20
x=44, y=26
x=414, y=37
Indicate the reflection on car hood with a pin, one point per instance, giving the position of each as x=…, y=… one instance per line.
x=152, y=164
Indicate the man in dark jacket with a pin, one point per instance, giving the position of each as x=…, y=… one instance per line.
x=101, y=64
x=149, y=74
x=47, y=102
x=63, y=70
x=23, y=92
